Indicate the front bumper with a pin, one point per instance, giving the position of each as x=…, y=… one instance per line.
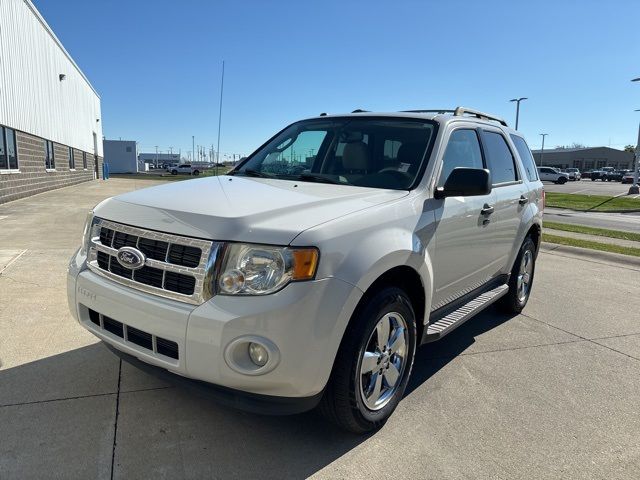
x=305, y=321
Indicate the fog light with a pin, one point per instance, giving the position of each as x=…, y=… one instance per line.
x=258, y=354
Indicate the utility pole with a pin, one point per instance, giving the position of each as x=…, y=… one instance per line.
x=542, y=151
x=220, y=119
x=156, y=156
x=517, y=100
x=193, y=147
x=635, y=189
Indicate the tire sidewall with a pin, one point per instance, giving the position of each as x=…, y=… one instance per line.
x=528, y=244
x=388, y=300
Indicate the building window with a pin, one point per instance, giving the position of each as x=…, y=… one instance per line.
x=49, y=160
x=72, y=160
x=84, y=160
x=128, y=149
x=588, y=164
x=8, y=150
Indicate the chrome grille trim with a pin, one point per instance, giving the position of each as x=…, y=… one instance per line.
x=201, y=273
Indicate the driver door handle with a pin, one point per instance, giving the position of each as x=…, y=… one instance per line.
x=487, y=209
x=523, y=200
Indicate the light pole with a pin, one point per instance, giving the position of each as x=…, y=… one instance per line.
x=634, y=189
x=193, y=147
x=517, y=100
x=542, y=151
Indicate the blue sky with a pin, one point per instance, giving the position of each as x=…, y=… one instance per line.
x=157, y=64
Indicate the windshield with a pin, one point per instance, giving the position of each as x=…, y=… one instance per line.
x=365, y=152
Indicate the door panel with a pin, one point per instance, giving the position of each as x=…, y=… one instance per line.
x=509, y=210
x=464, y=251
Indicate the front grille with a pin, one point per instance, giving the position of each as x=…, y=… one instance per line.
x=129, y=334
x=175, y=266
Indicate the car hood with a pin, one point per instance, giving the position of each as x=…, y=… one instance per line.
x=243, y=209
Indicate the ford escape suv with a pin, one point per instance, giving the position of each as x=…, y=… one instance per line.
x=310, y=273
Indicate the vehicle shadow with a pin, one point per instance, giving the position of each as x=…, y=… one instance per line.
x=165, y=431
x=431, y=357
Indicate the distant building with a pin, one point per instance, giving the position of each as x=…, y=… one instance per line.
x=50, y=122
x=121, y=156
x=158, y=158
x=584, y=159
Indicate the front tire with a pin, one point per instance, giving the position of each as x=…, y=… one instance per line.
x=521, y=279
x=373, y=364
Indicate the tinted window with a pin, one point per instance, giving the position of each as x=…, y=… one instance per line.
x=84, y=160
x=463, y=150
x=49, y=160
x=499, y=158
x=4, y=164
x=525, y=155
x=72, y=160
x=364, y=152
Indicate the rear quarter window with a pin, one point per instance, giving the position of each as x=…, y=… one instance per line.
x=525, y=155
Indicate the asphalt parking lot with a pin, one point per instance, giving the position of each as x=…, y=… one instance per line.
x=552, y=393
x=587, y=187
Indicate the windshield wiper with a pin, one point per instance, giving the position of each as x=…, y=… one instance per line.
x=312, y=177
x=250, y=172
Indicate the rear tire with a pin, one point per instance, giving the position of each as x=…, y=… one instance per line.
x=174, y=172
x=370, y=374
x=521, y=279
x=562, y=180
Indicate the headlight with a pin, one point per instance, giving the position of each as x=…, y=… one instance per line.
x=262, y=269
x=86, y=234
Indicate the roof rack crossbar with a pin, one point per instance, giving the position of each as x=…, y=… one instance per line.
x=433, y=110
x=460, y=111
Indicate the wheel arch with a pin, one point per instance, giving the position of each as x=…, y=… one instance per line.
x=407, y=279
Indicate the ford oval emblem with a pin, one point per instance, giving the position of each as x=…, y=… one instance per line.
x=130, y=258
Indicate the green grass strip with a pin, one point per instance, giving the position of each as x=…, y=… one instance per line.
x=604, y=247
x=596, y=203
x=601, y=232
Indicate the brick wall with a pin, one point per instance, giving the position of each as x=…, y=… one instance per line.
x=33, y=177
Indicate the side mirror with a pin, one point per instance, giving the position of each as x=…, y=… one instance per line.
x=465, y=182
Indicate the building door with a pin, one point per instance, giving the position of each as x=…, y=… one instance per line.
x=96, y=173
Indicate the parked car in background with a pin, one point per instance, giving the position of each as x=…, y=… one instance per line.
x=601, y=174
x=586, y=174
x=627, y=177
x=550, y=174
x=574, y=174
x=286, y=287
x=185, y=168
x=616, y=176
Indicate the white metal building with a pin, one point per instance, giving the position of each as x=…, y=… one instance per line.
x=121, y=156
x=50, y=122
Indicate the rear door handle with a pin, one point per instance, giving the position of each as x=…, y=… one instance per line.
x=487, y=209
x=523, y=200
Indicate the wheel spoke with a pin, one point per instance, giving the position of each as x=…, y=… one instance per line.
x=377, y=388
x=369, y=362
x=382, y=330
x=391, y=375
x=397, y=341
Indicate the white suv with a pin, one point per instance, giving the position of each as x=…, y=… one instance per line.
x=553, y=175
x=310, y=274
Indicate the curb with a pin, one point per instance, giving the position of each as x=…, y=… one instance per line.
x=617, y=258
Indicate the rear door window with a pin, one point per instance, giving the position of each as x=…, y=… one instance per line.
x=528, y=162
x=499, y=158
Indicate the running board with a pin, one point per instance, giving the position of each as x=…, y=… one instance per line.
x=448, y=323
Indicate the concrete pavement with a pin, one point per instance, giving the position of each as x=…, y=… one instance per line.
x=551, y=393
x=629, y=222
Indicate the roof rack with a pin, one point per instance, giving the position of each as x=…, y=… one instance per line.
x=358, y=110
x=475, y=113
x=435, y=110
x=460, y=111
